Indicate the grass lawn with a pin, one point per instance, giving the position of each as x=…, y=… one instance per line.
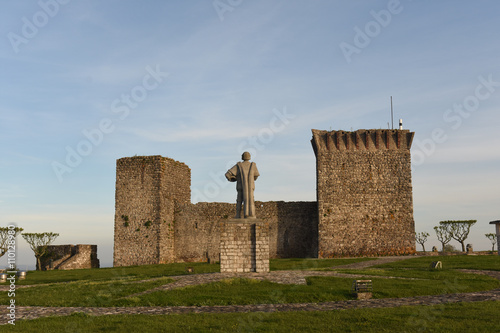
x=243, y=291
x=318, y=289
x=461, y=317
x=113, y=290
x=311, y=264
x=490, y=262
x=116, y=273
x=154, y=271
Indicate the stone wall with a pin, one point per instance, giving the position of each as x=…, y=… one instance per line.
x=64, y=257
x=147, y=190
x=364, y=192
x=292, y=229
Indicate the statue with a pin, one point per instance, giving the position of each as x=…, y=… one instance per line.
x=244, y=174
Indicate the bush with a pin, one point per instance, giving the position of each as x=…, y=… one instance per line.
x=450, y=248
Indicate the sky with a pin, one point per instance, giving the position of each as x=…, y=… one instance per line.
x=84, y=83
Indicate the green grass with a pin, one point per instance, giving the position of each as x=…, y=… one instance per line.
x=226, y=292
x=111, y=286
x=461, y=317
x=247, y=291
x=441, y=283
x=153, y=271
x=310, y=264
x=96, y=288
x=105, y=274
x=489, y=262
x=318, y=289
x=82, y=293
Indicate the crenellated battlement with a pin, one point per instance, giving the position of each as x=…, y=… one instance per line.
x=370, y=140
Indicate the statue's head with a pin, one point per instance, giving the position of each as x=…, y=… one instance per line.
x=245, y=156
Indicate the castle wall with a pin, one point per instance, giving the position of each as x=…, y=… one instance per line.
x=147, y=188
x=364, y=192
x=292, y=229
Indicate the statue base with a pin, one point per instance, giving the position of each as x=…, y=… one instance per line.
x=244, y=245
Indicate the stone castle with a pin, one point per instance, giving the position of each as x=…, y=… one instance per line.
x=364, y=205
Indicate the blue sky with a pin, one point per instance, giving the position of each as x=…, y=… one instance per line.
x=84, y=83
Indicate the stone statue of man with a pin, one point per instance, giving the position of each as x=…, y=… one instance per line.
x=244, y=174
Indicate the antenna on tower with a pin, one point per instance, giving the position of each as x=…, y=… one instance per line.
x=392, y=116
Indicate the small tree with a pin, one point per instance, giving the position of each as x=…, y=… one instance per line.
x=493, y=240
x=39, y=243
x=459, y=230
x=443, y=235
x=421, y=238
x=4, y=237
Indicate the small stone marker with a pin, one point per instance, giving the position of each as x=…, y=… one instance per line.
x=362, y=289
x=469, y=249
x=189, y=269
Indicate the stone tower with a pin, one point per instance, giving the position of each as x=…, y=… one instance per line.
x=147, y=191
x=364, y=192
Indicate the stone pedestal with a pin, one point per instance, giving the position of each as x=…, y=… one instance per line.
x=244, y=246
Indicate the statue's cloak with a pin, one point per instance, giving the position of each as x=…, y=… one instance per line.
x=245, y=174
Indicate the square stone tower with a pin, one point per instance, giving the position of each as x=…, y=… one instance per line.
x=364, y=192
x=147, y=190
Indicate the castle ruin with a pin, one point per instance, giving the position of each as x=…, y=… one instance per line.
x=364, y=205
x=66, y=257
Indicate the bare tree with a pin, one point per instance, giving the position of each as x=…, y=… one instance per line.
x=4, y=237
x=38, y=243
x=459, y=230
x=421, y=238
x=443, y=235
x=493, y=240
